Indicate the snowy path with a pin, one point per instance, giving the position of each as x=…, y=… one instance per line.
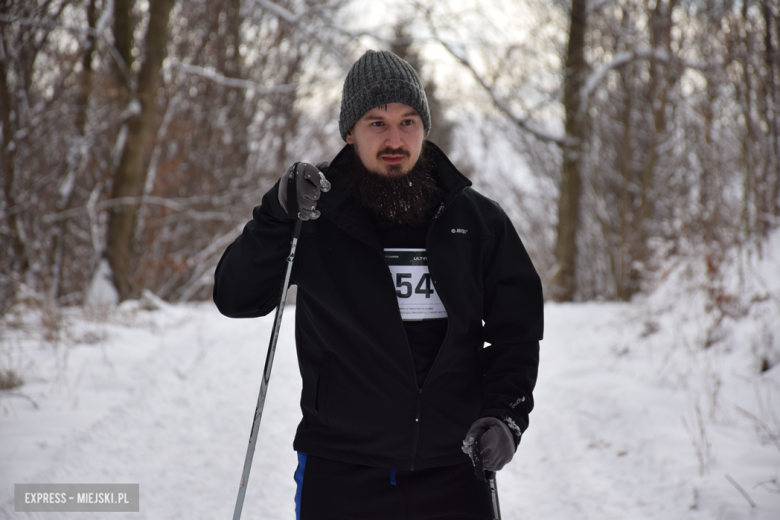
x=182, y=432
x=169, y=405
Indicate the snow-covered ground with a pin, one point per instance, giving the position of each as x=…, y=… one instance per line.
x=635, y=418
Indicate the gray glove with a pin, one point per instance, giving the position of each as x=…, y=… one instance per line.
x=497, y=446
x=309, y=183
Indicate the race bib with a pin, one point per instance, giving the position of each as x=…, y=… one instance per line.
x=417, y=298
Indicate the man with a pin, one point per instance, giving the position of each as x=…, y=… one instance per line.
x=418, y=313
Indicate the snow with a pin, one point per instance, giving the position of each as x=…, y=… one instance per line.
x=101, y=291
x=634, y=417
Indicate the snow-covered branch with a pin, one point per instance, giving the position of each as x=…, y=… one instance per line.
x=172, y=204
x=158, y=201
x=300, y=21
x=595, y=5
x=281, y=12
x=523, y=123
x=216, y=77
x=32, y=22
x=216, y=246
x=625, y=57
x=105, y=17
x=597, y=76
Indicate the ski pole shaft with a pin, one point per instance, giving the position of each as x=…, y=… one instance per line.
x=491, y=480
x=486, y=476
x=269, y=361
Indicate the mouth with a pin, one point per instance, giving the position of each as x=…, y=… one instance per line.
x=393, y=159
x=389, y=156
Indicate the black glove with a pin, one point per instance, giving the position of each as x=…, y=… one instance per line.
x=497, y=446
x=309, y=183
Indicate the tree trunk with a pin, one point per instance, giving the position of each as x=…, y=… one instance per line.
x=772, y=96
x=123, y=44
x=774, y=58
x=709, y=194
x=14, y=256
x=749, y=138
x=624, y=157
x=75, y=159
x=661, y=76
x=128, y=178
x=565, y=281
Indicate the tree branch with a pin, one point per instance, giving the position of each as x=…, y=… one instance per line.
x=299, y=21
x=111, y=203
x=595, y=5
x=32, y=22
x=523, y=123
x=213, y=75
x=625, y=57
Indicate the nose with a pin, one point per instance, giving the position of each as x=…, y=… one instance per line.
x=394, y=138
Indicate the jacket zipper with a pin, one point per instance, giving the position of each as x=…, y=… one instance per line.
x=418, y=410
x=418, y=397
x=418, y=407
x=439, y=211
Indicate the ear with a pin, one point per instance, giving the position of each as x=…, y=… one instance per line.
x=350, y=139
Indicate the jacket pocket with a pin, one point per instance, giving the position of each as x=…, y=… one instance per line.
x=323, y=383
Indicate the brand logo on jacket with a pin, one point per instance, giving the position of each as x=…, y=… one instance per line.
x=520, y=400
x=461, y=231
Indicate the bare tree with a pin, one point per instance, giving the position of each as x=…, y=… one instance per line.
x=649, y=126
x=654, y=98
x=235, y=124
x=77, y=157
x=129, y=177
x=158, y=181
x=564, y=283
x=27, y=40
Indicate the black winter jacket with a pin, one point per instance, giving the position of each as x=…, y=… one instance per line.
x=360, y=400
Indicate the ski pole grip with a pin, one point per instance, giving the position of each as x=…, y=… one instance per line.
x=292, y=200
x=292, y=191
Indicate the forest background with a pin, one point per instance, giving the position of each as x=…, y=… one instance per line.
x=619, y=135
x=634, y=144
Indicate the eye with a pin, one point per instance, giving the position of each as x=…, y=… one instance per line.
x=407, y=122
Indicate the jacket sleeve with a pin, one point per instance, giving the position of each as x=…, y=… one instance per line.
x=513, y=326
x=250, y=273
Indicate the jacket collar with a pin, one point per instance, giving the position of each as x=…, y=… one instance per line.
x=339, y=206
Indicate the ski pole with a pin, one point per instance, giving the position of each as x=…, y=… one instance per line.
x=269, y=360
x=491, y=480
x=486, y=476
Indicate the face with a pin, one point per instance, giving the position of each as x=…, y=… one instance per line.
x=388, y=139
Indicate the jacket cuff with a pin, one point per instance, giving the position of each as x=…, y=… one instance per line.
x=275, y=208
x=517, y=433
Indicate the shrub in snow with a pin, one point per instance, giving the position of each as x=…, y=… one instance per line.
x=9, y=379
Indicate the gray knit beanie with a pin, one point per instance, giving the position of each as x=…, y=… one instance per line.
x=380, y=78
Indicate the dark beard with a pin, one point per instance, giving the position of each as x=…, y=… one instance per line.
x=401, y=199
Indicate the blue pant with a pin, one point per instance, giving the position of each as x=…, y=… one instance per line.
x=331, y=490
